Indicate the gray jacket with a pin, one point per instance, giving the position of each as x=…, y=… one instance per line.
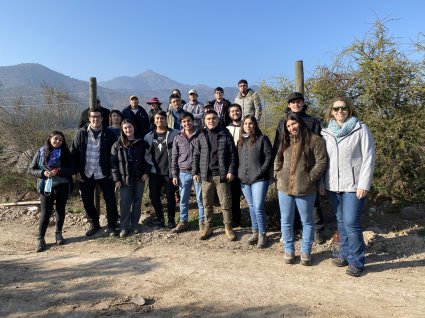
x=197, y=110
x=250, y=103
x=351, y=160
x=182, y=154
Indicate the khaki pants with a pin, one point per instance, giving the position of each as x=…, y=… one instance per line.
x=209, y=188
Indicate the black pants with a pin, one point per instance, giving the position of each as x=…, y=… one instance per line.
x=319, y=223
x=59, y=195
x=87, y=195
x=235, y=189
x=156, y=182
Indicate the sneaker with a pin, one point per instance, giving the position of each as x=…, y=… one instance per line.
x=306, y=259
x=92, y=230
x=181, y=227
x=319, y=237
x=41, y=244
x=171, y=224
x=123, y=233
x=156, y=223
x=111, y=232
x=253, y=239
x=354, y=271
x=289, y=258
x=207, y=232
x=59, y=238
x=229, y=233
x=262, y=240
x=339, y=262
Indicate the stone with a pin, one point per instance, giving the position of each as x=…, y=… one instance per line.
x=411, y=213
x=138, y=300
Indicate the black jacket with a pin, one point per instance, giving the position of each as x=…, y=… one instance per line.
x=121, y=169
x=225, y=121
x=84, y=117
x=79, y=147
x=140, y=120
x=255, y=163
x=227, y=155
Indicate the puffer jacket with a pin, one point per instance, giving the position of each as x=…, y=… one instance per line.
x=293, y=178
x=351, y=160
x=182, y=153
x=121, y=169
x=250, y=103
x=255, y=162
x=227, y=155
x=171, y=134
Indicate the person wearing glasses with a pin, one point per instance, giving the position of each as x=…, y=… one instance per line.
x=90, y=152
x=348, y=177
x=221, y=106
x=249, y=100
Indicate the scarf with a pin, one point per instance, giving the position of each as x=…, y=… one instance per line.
x=53, y=160
x=346, y=128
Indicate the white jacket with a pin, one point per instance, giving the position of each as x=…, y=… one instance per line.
x=351, y=160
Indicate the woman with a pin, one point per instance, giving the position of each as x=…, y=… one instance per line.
x=52, y=163
x=255, y=161
x=300, y=163
x=130, y=172
x=115, y=118
x=351, y=155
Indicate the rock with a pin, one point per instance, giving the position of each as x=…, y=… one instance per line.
x=138, y=300
x=368, y=237
x=32, y=209
x=411, y=213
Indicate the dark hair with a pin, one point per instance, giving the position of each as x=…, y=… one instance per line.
x=177, y=90
x=186, y=114
x=160, y=112
x=65, y=153
x=123, y=138
x=253, y=138
x=242, y=81
x=209, y=112
x=116, y=111
x=218, y=89
x=172, y=96
x=304, y=141
x=235, y=105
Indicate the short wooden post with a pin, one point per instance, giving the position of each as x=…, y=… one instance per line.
x=299, y=76
x=93, y=104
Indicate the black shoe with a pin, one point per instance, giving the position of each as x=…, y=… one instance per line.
x=92, y=230
x=59, y=238
x=137, y=230
x=354, y=271
x=156, y=223
x=41, y=244
x=339, y=262
x=111, y=232
x=235, y=224
x=171, y=224
x=123, y=233
x=319, y=237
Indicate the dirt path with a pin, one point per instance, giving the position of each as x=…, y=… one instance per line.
x=180, y=276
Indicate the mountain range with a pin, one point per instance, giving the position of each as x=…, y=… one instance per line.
x=25, y=81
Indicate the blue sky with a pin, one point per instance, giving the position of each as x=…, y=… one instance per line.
x=193, y=42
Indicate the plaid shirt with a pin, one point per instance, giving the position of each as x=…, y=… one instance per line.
x=93, y=155
x=218, y=107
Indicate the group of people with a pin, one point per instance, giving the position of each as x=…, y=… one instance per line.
x=220, y=151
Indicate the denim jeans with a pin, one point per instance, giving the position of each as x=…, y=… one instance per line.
x=305, y=205
x=348, y=210
x=185, y=186
x=131, y=204
x=255, y=195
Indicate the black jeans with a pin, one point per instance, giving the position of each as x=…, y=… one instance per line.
x=235, y=189
x=87, y=195
x=59, y=195
x=156, y=182
x=319, y=223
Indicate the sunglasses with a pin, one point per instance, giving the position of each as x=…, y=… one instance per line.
x=343, y=108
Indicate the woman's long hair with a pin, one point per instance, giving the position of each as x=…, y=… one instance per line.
x=123, y=138
x=65, y=153
x=254, y=135
x=304, y=139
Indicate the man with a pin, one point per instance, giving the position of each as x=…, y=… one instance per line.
x=235, y=115
x=221, y=106
x=215, y=161
x=158, y=155
x=84, y=117
x=181, y=168
x=138, y=116
x=195, y=108
x=155, y=105
x=91, y=151
x=249, y=100
x=174, y=112
x=296, y=105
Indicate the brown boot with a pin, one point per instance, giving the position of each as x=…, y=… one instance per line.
x=182, y=226
x=253, y=239
x=262, y=240
x=206, y=233
x=201, y=226
x=229, y=232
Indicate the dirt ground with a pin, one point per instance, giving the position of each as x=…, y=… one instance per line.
x=159, y=274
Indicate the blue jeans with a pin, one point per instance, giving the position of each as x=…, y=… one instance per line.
x=255, y=195
x=131, y=205
x=305, y=206
x=348, y=210
x=185, y=186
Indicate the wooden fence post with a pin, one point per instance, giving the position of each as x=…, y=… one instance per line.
x=93, y=104
x=299, y=76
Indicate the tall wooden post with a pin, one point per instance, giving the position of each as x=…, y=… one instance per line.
x=299, y=76
x=93, y=104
